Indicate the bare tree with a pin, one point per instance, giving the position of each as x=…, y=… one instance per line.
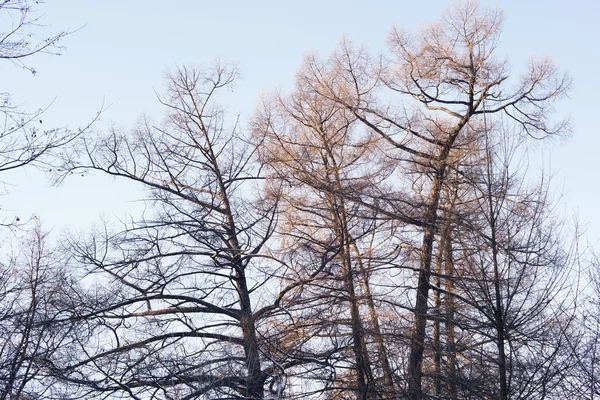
x=33, y=278
x=446, y=78
x=34, y=283
x=183, y=291
x=582, y=380
x=314, y=156
x=512, y=288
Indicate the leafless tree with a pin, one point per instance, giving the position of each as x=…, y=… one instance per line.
x=33, y=278
x=313, y=156
x=33, y=283
x=182, y=292
x=446, y=78
x=582, y=380
x=511, y=288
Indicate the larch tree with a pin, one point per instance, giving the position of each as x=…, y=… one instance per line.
x=435, y=86
x=313, y=157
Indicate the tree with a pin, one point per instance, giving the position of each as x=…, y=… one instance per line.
x=184, y=292
x=34, y=284
x=511, y=289
x=582, y=380
x=446, y=79
x=313, y=156
x=32, y=279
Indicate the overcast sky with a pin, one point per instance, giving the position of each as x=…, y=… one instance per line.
x=121, y=50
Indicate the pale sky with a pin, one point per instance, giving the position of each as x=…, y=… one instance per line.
x=120, y=55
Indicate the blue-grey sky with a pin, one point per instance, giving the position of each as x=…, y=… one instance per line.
x=120, y=55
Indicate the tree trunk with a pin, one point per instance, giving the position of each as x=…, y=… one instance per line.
x=450, y=307
x=437, y=304
x=363, y=372
x=417, y=343
x=388, y=377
